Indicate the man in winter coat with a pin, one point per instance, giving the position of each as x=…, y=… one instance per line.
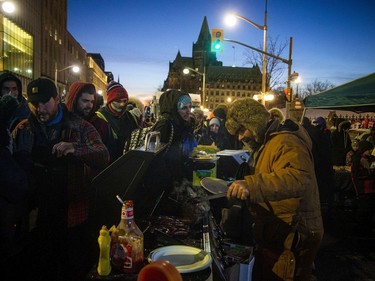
x=82, y=101
x=281, y=189
x=64, y=149
x=11, y=84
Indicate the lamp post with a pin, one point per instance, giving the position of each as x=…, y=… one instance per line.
x=74, y=68
x=231, y=21
x=188, y=69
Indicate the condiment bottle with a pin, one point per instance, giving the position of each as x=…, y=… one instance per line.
x=104, y=241
x=127, y=249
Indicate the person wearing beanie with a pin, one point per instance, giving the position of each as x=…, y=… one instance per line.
x=11, y=84
x=215, y=122
x=320, y=122
x=119, y=119
x=363, y=176
x=117, y=97
x=210, y=135
x=81, y=100
x=281, y=190
x=64, y=149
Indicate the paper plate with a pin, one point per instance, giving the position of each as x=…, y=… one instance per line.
x=185, y=258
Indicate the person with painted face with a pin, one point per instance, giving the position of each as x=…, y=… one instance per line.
x=280, y=189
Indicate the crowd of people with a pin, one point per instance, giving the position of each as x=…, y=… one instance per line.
x=51, y=151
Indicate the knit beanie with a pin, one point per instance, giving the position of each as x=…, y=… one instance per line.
x=214, y=121
x=183, y=101
x=321, y=122
x=221, y=111
x=246, y=113
x=115, y=92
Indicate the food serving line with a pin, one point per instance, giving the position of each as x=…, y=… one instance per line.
x=185, y=231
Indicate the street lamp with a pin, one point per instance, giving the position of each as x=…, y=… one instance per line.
x=74, y=68
x=297, y=81
x=8, y=7
x=188, y=69
x=294, y=77
x=231, y=19
x=264, y=98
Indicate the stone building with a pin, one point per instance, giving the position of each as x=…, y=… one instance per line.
x=217, y=84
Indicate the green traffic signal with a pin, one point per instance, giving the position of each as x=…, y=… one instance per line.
x=217, y=40
x=218, y=46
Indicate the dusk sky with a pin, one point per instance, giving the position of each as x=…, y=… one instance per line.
x=332, y=40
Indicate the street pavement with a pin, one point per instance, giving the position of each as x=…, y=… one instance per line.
x=346, y=254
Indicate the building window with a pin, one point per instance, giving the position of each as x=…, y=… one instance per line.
x=17, y=49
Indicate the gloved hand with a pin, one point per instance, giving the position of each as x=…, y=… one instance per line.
x=24, y=140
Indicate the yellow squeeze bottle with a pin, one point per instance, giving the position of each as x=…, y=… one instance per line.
x=104, y=240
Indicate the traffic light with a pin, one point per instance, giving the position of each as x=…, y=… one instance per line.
x=217, y=40
x=287, y=92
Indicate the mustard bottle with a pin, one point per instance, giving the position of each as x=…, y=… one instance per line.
x=104, y=241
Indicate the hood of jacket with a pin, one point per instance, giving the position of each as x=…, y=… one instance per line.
x=168, y=107
x=289, y=127
x=7, y=76
x=75, y=91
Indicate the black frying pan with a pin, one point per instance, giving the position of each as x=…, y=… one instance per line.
x=214, y=185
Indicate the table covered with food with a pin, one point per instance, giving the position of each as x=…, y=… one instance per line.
x=182, y=227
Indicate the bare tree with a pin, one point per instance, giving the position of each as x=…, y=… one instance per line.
x=275, y=67
x=315, y=87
